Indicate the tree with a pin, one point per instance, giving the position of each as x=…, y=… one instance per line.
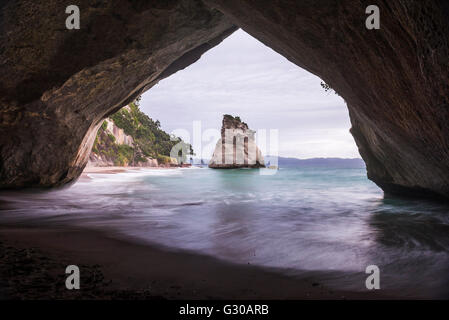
x=327, y=87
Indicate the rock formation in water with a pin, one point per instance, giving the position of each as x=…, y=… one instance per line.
x=57, y=85
x=237, y=146
x=395, y=80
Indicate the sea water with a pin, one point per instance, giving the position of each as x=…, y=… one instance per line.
x=298, y=220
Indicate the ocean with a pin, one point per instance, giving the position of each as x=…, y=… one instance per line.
x=296, y=221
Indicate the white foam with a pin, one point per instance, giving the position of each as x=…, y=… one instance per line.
x=133, y=175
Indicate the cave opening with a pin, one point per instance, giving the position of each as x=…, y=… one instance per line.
x=243, y=77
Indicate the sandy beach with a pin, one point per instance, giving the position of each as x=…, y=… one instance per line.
x=33, y=263
x=108, y=169
x=115, y=169
x=119, y=169
x=34, y=258
x=104, y=170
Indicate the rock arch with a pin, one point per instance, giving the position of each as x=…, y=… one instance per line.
x=57, y=85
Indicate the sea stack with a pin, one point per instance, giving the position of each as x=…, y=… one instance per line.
x=237, y=146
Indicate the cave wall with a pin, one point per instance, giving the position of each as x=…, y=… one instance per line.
x=57, y=85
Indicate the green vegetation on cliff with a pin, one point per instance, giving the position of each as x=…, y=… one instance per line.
x=149, y=140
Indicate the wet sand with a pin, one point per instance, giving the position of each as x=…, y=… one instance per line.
x=104, y=170
x=108, y=169
x=120, y=169
x=113, y=170
x=33, y=262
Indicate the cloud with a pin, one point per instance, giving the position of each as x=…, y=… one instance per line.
x=243, y=77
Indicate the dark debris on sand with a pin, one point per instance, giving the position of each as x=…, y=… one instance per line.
x=27, y=274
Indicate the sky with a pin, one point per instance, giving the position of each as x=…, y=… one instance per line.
x=243, y=77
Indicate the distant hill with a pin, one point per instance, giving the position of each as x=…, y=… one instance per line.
x=339, y=163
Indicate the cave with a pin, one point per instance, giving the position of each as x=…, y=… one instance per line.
x=57, y=85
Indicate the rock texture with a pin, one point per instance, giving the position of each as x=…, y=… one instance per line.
x=119, y=134
x=56, y=85
x=237, y=146
x=149, y=163
x=130, y=138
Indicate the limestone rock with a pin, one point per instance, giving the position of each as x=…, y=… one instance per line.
x=119, y=134
x=237, y=146
x=98, y=161
x=151, y=162
x=395, y=80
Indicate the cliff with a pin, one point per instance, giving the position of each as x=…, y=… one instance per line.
x=237, y=146
x=131, y=138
